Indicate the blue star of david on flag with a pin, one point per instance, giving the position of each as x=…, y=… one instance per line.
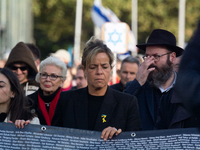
x=115, y=37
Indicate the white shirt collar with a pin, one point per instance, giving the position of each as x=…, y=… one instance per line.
x=162, y=90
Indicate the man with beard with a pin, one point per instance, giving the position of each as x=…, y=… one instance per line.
x=155, y=78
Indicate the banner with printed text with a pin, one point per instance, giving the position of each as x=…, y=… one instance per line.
x=49, y=137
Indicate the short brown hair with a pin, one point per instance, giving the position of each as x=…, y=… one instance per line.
x=80, y=67
x=92, y=48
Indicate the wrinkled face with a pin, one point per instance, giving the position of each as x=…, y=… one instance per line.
x=98, y=72
x=21, y=70
x=81, y=81
x=128, y=72
x=48, y=85
x=5, y=91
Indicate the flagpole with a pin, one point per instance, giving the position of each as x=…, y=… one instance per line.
x=181, y=24
x=78, y=23
x=134, y=21
x=115, y=69
x=97, y=32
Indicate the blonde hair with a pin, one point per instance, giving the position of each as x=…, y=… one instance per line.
x=92, y=48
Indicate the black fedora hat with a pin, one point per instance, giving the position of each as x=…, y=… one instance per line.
x=163, y=38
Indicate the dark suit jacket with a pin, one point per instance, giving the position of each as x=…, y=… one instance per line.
x=171, y=113
x=145, y=98
x=118, y=87
x=121, y=111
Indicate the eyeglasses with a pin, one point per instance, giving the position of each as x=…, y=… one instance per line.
x=156, y=57
x=16, y=68
x=52, y=77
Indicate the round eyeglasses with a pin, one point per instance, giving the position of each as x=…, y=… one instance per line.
x=156, y=57
x=52, y=77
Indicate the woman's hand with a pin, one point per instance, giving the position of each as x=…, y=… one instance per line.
x=109, y=132
x=20, y=123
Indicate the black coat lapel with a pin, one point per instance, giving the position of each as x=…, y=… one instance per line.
x=35, y=107
x=81, y=109
x=106, y=111
x=150, y=100
x=181, y=114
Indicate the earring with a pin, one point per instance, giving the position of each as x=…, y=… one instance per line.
x=12, y=96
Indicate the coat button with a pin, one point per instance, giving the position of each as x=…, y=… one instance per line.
x=32, y=111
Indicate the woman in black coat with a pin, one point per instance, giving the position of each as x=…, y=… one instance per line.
x=98, y=107
x=51, y=77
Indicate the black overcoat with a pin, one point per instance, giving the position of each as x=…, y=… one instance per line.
x=33, y=98
x=117, y=86
x=188, y=80
x=120, y=109
x=171, y=113
x=146, y=104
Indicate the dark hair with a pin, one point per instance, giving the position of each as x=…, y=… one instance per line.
x=35, y=50
x=18, y=107
x=92, y=48
x=130, y=59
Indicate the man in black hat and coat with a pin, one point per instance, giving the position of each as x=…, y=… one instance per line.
x=153, y=86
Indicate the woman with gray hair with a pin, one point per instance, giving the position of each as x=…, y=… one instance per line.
x=51, y=76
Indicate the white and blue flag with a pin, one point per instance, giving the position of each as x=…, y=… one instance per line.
x=101, y=15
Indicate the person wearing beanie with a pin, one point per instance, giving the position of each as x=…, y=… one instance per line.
x=21, y=62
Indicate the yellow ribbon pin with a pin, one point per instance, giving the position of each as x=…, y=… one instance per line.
x=103, y=118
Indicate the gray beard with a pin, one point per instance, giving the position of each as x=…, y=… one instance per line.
x=160, y=76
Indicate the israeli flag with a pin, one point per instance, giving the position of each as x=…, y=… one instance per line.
x=101, y=15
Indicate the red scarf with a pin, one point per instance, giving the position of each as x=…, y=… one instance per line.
x=48, y=116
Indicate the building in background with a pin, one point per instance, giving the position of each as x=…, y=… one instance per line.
x=16, y=24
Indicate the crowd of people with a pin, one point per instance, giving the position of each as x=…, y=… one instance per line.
x=147, y=96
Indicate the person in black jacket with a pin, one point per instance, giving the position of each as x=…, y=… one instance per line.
x=98, y=107
x=153, y=85
x=129, y=68
x=188, y=81
x=51, y=76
